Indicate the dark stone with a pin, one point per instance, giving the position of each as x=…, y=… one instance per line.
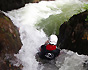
x=10, y=43
x=73, y=35
x=8, y=5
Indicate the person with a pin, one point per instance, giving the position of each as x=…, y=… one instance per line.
x=49, y=50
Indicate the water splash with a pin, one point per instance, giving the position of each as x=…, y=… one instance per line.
x=66, y=9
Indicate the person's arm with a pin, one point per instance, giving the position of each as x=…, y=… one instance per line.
x=47, y=42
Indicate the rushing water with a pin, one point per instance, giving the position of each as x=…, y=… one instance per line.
x=38, y=20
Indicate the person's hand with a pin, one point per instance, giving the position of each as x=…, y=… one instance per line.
x=47, y=42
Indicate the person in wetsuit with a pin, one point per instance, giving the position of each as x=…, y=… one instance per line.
x=49, y=50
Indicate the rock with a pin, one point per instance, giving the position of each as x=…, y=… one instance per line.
x=10, y=42
x=73, y=35
x=8, y=5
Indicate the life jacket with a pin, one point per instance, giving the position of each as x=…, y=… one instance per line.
x=50, y=47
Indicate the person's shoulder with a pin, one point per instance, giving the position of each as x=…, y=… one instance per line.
x=43, y=45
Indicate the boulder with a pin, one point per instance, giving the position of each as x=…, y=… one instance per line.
x=73, y=35
x=8, y=5
x=10, y=43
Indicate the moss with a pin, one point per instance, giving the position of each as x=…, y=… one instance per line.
x=1, y=16
x=86, y=6
x=9, y=34
x=3, y=29
x=86, y=19
x=7, y=18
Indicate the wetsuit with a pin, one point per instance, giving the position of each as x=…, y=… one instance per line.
x=49, y=49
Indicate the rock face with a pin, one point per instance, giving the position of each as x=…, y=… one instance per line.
x=10, y=42
x=8, y=5
x=74, y=34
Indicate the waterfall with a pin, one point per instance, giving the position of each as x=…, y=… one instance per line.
x=38, y=20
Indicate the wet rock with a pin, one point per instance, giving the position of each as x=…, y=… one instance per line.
x=8, y=5
x=85, y=65
x=74, y=34
x=10, y=42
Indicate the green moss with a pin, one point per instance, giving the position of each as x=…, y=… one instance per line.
x=7, y=18
x=3, y=29
x=86, y=6
x=1, y=16
x=9, y=34
x=86, y=19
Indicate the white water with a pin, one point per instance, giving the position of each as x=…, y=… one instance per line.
x=25, y=19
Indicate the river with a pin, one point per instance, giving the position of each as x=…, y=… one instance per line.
x=36, y=21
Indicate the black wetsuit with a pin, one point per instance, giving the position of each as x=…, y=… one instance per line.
x=44, y=51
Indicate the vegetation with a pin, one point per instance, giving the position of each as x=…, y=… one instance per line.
x=86, y=19
x=86, y=6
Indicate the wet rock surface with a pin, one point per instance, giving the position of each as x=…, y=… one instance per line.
x=8, y=5
x=10, y=43
x=74, y=34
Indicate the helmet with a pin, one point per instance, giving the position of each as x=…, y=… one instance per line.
x=53, y=39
